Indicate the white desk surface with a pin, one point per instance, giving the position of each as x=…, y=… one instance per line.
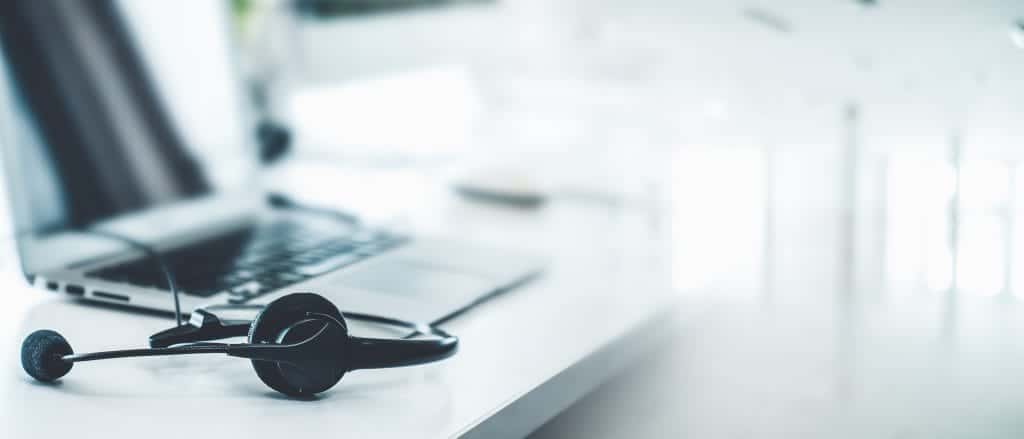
x=523, y=357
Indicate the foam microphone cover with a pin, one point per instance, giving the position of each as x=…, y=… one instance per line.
x=41, y=354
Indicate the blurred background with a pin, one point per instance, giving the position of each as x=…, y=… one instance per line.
x=843, y=180
x=842, y=144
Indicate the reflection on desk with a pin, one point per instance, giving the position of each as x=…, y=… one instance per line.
x=913, y=369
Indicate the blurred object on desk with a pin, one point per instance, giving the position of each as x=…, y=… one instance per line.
x=507, y=186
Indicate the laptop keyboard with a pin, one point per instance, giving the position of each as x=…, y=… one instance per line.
x=254, y=260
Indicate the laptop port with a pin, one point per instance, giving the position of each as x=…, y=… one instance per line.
x=111, y=296
x=76, y=290
x=52, y=286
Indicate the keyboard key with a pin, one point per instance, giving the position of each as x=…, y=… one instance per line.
x=250, y=288
x=292, y=277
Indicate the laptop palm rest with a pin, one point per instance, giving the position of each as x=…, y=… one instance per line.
x=407, y=289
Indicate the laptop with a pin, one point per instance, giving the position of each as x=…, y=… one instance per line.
x=129, y=118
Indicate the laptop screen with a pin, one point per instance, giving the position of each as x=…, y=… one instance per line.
x=114, y=107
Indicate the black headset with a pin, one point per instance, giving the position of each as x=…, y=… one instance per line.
x=299, y=345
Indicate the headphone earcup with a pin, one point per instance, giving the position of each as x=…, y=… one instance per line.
x=290, y=314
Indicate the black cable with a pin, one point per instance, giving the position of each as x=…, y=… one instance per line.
x=416, y=328
x=150, y=253
x=206, y=348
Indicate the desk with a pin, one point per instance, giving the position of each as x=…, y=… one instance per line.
x=904, y=368
x=524, y=356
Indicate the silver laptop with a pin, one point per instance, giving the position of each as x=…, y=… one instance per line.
x=127, y=118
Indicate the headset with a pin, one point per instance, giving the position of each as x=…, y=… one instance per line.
x=299, y=344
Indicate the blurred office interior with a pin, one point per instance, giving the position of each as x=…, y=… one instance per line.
x=855, y=137
x=837, y=175
x=839, y=183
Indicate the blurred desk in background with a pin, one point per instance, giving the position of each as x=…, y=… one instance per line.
x=524, y=356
